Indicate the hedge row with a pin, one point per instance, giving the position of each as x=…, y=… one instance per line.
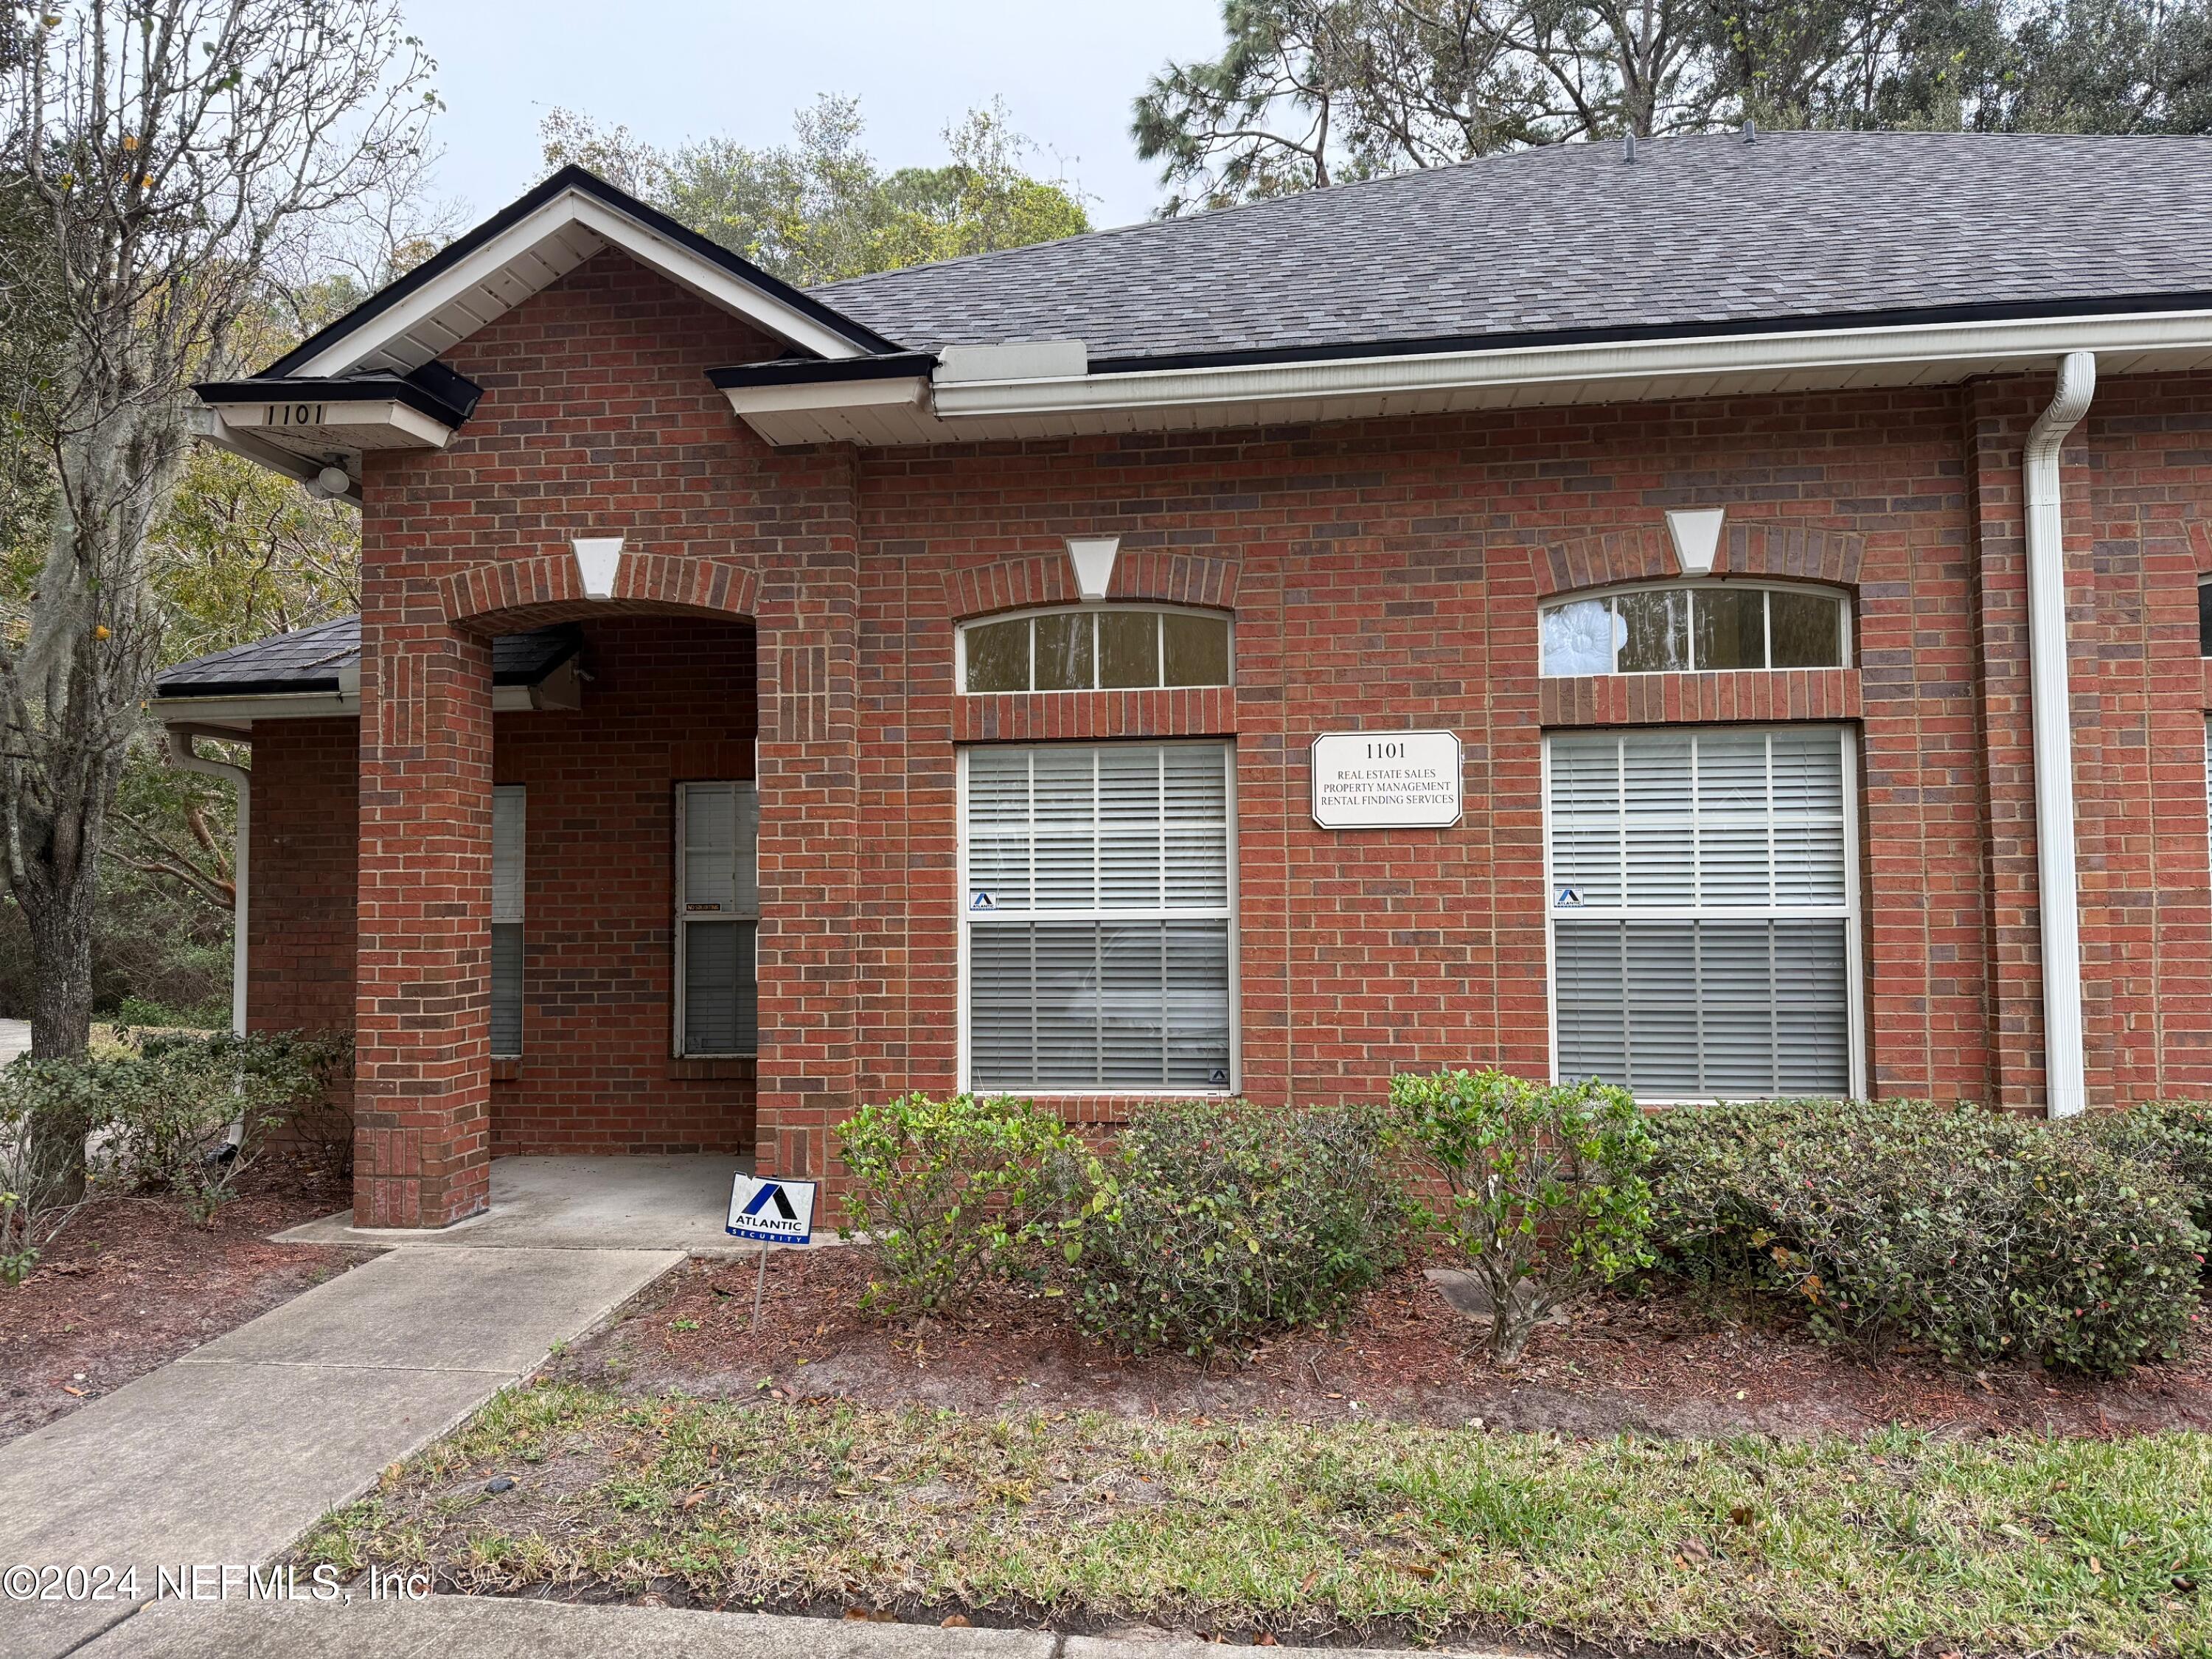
x=1208, y=1225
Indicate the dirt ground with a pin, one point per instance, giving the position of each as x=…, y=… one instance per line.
x=135, y=1282
x=1665, y=1363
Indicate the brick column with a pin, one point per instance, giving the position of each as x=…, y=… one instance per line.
x=810, y=834
x=422, y=1024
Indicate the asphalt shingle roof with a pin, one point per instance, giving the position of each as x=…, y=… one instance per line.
x=310, y=659
x=1696, y=231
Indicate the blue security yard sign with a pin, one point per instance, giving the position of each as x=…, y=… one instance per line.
x=769, y=1211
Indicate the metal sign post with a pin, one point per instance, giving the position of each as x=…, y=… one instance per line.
x=769, y=1212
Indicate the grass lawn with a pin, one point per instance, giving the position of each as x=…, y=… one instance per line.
x=1896, y=1543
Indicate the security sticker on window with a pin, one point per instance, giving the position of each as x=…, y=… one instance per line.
x=980, y=900
x=1568, y=898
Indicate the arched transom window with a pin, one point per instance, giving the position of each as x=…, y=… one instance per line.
x=1095, y=648
x=1676, y=628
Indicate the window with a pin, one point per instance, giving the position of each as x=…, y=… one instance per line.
x=1095, y=649
x=1688, y=628
x=717, y=918
x=1704, y=891
x=506, y=827
x=1097, y=898
x=2204, y=618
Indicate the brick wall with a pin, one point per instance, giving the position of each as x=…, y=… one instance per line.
x=670, y=699
x=1382, y=573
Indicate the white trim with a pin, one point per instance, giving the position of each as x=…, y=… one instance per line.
x=1696, y=534
x=484, y=278
x=1092, y=558
x=1920, y=353
x=1235, y=928
x=1850, y=914
x=209, y=427
x=598, y=562
x=1841, y=598
x=317, y=426
x=1109, y=607
x=1619, y=372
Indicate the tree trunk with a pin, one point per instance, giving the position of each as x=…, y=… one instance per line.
x=61, y=964
x=61, y=1016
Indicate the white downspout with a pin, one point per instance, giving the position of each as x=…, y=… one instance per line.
x=181, y=752
x=2065, y=1089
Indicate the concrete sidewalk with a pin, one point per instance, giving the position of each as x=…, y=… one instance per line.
x=674, y=1201
x=231, y=1453
x=482, y=1628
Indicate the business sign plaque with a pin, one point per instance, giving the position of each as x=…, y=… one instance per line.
x=1386, y=779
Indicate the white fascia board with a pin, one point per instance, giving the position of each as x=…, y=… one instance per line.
x=320, y=425
x=211, y=427
x=1823, y=355
x=908, y=391
x=701, y=277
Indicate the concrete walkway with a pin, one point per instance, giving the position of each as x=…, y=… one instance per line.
x=15, y=1039
x=230, y=1454
x=451, y=1627
x=675, y=1202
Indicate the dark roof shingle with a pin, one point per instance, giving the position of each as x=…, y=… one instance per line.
x=1570, y=239
x=311, y=659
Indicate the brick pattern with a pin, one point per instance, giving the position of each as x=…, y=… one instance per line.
x=1782, y=694
x=1748, y=547
x=421, y=1026
x=597, y=419
x=669, y=699
x=1050, y=716
x=1385, y=574
x=301, y=922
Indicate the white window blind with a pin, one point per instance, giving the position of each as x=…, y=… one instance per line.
x=508, y=817
x=717, y=918
x=1702, y=907
x=1096, y=907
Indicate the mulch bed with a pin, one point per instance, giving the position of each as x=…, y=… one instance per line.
x=1665, y=1362
x=134, y=1282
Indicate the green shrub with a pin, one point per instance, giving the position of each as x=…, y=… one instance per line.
x=2173, y=1135
x=1547, y=1193
x=1212, y=1223
x=952, y=1192
x=188, y=1114
x=134, y=1010
x=47, y=1108
x=1977, y=1235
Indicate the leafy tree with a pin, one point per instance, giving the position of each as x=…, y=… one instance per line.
x=174, y=155
x=1309, y=92
x=819, y=209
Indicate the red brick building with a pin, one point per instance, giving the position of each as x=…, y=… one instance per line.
x=1566, y=612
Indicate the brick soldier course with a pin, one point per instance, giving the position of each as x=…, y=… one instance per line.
x=792, y=607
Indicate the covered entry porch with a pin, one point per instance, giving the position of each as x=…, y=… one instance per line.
x=533, y=856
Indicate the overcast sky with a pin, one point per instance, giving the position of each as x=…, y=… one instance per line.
x=671, y=69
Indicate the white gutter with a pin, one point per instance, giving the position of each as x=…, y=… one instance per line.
x=2064, y=1087
x=1625, y=371
x=181, y=752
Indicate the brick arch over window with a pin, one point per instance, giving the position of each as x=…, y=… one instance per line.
x=1745, y=549
x=1041, y=579
x=503, y=594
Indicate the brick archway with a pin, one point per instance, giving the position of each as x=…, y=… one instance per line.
x=502, y=596
x=1748, y=549
x=1139, y=574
